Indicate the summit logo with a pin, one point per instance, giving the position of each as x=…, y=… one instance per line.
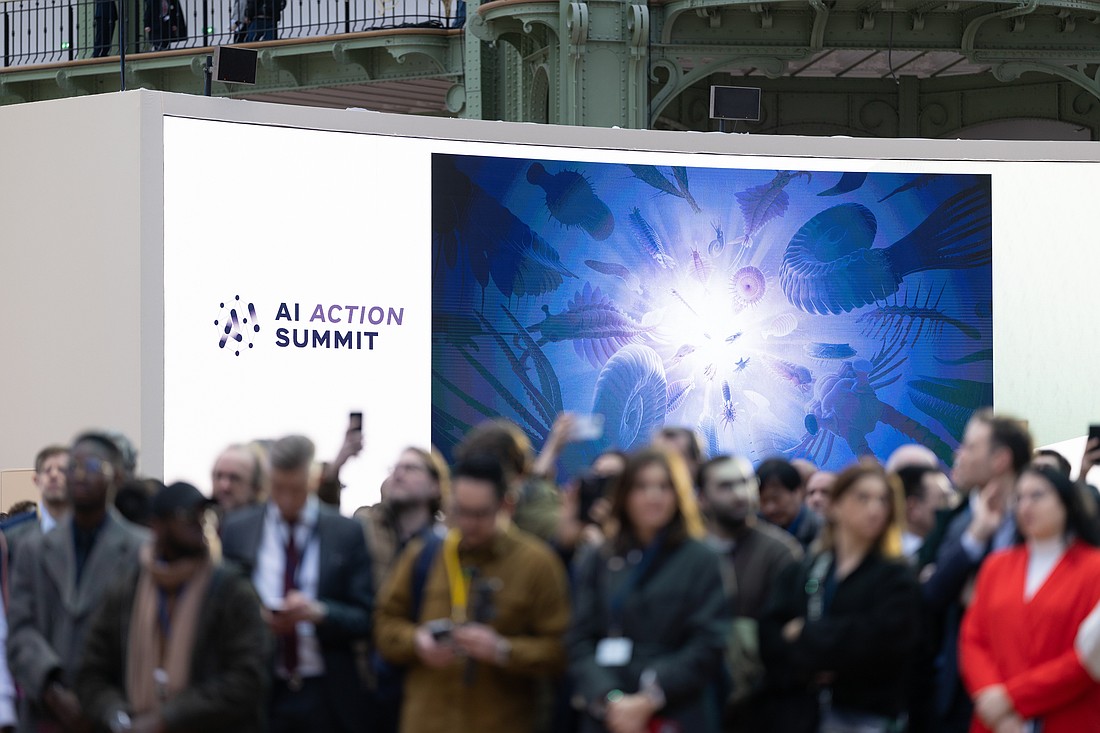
x=237, y=322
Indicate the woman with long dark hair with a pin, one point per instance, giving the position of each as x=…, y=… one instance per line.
x=1017, y=643
x=650, y=615
x=841, y=626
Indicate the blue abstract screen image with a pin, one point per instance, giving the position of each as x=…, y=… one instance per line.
x=823, y=315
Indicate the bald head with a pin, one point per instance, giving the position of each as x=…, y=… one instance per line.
x=911, y=455
x=237, y=478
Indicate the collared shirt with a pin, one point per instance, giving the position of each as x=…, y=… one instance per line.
x=910, y=544
x=45, y=519
x=269, y=575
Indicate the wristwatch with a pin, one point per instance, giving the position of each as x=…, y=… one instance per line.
x=121, y=722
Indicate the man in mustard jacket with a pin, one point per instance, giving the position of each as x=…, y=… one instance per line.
x=476, y=618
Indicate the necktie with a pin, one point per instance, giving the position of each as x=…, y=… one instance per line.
x=290, y=572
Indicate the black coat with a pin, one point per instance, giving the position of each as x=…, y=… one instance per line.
x=865, y=638
x=678, y=619
x=165, y=24
x=228, y=666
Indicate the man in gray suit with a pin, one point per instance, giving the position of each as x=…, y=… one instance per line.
x=312, y=571
x=59, y=580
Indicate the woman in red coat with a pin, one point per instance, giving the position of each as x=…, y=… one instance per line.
x=1017, y=646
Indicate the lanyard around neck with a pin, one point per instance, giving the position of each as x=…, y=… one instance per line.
x=456, y=579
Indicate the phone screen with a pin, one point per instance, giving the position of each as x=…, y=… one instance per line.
x=355, y=422
x=1094, y=432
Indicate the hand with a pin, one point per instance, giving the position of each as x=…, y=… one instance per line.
x=148, y=30
x=148, y=723
x=353, y=444
x=299, y=608
x=1090, y=459
x=560, y=434
x=989, y=512
x=630, y=714
x=480, y=642
x=592, y=535
x=277, y=620
x=992, y=704
x=793, y=629
x=65, y=707
x=432, y=653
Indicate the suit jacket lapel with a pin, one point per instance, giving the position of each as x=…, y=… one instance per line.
x=60, y=561
x=102, y=562
x=255, y=536
x=330, y=556
x=325, y=552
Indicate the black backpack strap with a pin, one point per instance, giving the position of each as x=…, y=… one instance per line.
x=432, y=543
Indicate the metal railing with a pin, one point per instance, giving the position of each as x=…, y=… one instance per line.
x=53, y=31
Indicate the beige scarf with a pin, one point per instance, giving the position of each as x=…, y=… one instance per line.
x=158, y=668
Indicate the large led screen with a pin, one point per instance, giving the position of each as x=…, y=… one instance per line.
x=807, y=307
x=816, y=314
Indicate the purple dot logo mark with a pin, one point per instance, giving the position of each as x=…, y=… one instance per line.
x=230, y=324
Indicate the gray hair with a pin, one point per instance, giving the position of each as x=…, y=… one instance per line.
x=292, y=453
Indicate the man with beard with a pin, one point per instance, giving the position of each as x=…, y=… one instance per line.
x=411, y=498
x=490, y=620
x=57, y=583
x=178, y=643
x=754, y=553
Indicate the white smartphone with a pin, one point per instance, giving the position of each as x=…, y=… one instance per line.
x=587, y=427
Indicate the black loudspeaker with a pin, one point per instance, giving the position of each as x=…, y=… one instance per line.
x=235, y=65
x=735, y=103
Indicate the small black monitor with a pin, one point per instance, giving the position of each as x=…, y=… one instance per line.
x=235, y=65
x=735, y=103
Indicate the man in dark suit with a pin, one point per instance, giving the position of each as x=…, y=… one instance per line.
x=58, y=582
x=994, y=450
x=311, y=569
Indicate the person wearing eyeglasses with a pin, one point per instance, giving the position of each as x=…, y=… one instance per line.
x=412, y=499
x=479, y=620
x=58, y=581
x=840, y=631
x=410, y=509
x=1017, y=646
x=178, y=643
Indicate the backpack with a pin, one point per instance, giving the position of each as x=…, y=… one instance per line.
x=390, y=678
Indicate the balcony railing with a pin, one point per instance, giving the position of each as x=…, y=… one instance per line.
x=57, y=31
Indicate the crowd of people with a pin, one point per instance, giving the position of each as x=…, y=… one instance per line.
x=661, y=591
